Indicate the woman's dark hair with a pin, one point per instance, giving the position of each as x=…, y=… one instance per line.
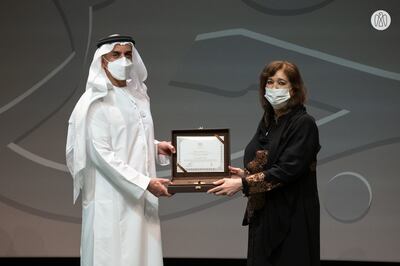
x=293, y=74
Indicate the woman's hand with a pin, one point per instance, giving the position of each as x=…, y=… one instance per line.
x=237, y=171
x=227, y=186
x=165, y=148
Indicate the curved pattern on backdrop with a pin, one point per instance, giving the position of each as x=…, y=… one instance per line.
x=286, y=8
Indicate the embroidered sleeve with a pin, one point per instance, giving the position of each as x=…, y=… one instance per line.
x=258, y=183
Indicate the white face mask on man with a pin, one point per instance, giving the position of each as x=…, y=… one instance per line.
x=120, y=69
x=278, y=98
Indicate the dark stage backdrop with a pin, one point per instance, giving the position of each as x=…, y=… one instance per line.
x=204, y=59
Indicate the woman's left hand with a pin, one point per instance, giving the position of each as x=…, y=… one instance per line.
x=227, y=186
x=165, y=148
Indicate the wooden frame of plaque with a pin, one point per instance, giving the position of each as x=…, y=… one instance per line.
x=187, y=179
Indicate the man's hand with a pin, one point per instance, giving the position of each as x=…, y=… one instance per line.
x=158, y=187
x=165, y=148
x=227, y=186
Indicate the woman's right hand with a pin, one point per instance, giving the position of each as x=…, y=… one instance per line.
x=237, y=171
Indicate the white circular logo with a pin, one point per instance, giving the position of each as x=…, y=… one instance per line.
x=380, y=20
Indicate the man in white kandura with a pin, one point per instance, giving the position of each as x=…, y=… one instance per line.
x=111, y=154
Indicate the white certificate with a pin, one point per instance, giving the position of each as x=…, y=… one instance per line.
x=200, y=154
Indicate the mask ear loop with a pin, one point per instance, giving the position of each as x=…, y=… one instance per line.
x=105, y=67
x=103, y=57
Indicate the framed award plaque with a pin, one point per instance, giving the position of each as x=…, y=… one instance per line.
x=202, y=157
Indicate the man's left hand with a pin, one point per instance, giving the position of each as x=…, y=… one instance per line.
x=165, y=148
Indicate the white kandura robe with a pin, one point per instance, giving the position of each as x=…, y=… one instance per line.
x=120, y=223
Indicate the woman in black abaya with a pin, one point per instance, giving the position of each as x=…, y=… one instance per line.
x=279, y=177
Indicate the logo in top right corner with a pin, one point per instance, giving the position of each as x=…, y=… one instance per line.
x=380, y=20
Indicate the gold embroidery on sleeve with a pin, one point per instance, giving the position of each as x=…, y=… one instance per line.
x=258, y=184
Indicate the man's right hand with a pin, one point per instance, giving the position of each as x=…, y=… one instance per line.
x=158, y=187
